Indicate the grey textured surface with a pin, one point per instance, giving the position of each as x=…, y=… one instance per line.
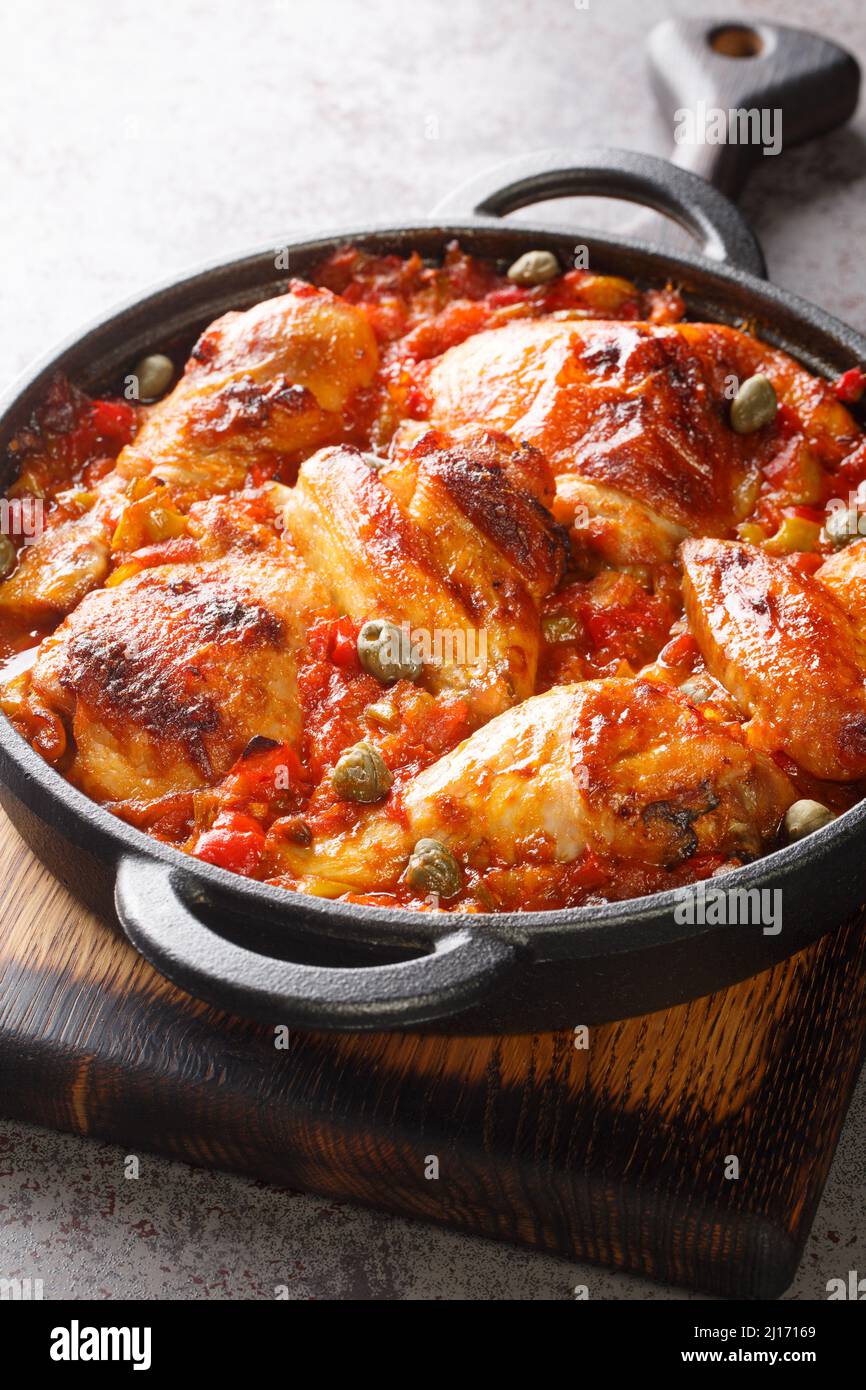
x=137, y=140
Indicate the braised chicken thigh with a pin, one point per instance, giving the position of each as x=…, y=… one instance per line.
x=447, y=541
x=270, y=381
x=633, y=419
x=784, y=646
x=620, y=768
x=164, y=679
x=260, y=388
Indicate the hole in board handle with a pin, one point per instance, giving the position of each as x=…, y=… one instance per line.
x=736, y=41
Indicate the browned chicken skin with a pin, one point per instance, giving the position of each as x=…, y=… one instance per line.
x=785, y=648
x=165, y=678
x=272, y=380
x=445, y=539
x=259, y=385
x=634, y=421
x=845, y=576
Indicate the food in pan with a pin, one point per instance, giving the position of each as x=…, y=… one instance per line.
x=449, y=587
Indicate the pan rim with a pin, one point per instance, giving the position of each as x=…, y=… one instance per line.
x=603, y=929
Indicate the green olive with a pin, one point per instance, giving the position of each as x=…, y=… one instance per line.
x=842, y=527
x=534, y=268
x=804, y=817
x=8, y=555
x=361, y=775
x=433, y=869
x=386, y=651
x=155, y=374
x=754, y=405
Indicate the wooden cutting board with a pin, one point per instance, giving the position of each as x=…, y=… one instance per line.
x=618, y=1152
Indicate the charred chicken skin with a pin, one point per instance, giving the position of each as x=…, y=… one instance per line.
x=425, y=588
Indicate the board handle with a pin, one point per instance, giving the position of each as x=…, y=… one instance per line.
x=162, y=911
x=806, y=85
x=722, y=231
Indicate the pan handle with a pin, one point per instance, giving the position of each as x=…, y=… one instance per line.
x=785, y=85
x=723, y=232
x=159, y=911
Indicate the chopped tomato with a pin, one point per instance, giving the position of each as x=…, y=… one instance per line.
x=453, y=325
x=261, y=768
x=262, y=471
x=812, y=514
x=509, y=294
x=852, y=470
x=588, y=871
x=334, y=691
x=336, y=640
x=113, y=421
x=806, y=561
x=235, y=842
x=613, y=619
x=680, y=651
x=849, y=386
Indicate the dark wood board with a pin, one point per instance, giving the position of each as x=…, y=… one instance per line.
x=615, y=1153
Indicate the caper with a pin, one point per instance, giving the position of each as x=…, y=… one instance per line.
x=433, y=869
x=754, y=405
x=534, y=268
x=8, y=555
x=842, y=526
x=387, y=652
x=155, y=374
x=804, y=817
x=361, y=775
x=560, y=627
x=696, y=691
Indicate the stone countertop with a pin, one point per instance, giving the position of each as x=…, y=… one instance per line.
x=178, y=132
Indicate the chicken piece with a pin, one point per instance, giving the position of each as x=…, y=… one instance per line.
x=621, y=767
x=785, y=648
x=612, y=527
x=445, y=540
x=270, y=381
x=812, y=408
x=624, y=406
x=525, y=467
x=163, y=680
x=845, y=576
x=636, y=412
x=55, y=573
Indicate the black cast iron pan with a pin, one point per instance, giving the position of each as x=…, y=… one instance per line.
x=308, y=963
